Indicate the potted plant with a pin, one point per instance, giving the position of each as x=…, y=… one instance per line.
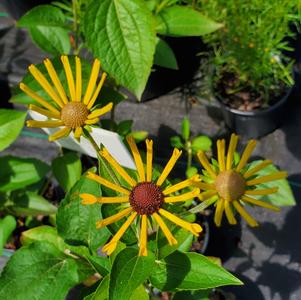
x=252, y=75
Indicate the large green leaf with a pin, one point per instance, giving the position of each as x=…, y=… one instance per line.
x=11, y=124
x=67, y=169
x=189, y=271
x=128, y=272
x=102, y=291
x=164, y=56
x=121, y=33
x=30, y=204
x=17, y=172
x=184, y=21
x=46, y=26
x=284, y=196
x=76, y=222
x=41, y=271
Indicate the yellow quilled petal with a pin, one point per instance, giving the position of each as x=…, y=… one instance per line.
x=170, y=238
x=262, y=191
x=100, y=111
x=220, y=206
x=114, y=218
x=246, y=155
x=91, y=199
x=183, y=197
x=92, y=121
x=107, y=183
x=205, y=186
x=208, y=194
x=143, y=236
x=88, y=199
x=99, y=86
x=69, y=76
x=44, y=124
x=263, y=179
x=137, y=158
x=110, y=247
x=59, y=134
x=78, y=132
x=41, y=79
x=149, y=160
x=39, y=99
x=221, y=146
x=92, y=81
x=231, y=150
x=120, y=233
x=251, y=221
x=193, y=181
x=260, y=203
x=78, y=79
x=205, y=163
x=257, y=168
x=169, y=166
x=192, y=227
x=229, y=213
x=55, y=79
x=44, y=112
x=105, y=153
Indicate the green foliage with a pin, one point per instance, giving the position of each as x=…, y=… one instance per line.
x=250, y=46
x=67, y=170
x=189, y=271
x=46, y=25
x=7, y=225
x=41, y=271
x=284, y=196
x=201, y=142
x=17, y=172
x=76, y=223
x=164, y=55
x=11, y=124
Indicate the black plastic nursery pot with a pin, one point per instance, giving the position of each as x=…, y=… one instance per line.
x=257, y=123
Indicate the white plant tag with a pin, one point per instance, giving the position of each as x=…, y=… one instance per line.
x=111, y=140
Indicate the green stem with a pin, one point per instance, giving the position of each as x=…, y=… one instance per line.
x=189, y=154
x=75, y=26
x=101, y=160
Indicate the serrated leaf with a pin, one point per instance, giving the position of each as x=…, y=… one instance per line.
x=76, y=223
x=67, y=169
x=189, y=271
x=17, y=172
x=11, y=124
x=284, y=196
x=201, y=142
x=164, y=56
x=184, y=21
x=121, y=34
x=129, y=271
x=41, y=271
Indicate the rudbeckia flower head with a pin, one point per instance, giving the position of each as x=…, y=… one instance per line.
x=144, y=199
x=232, y=186
x=71, y=110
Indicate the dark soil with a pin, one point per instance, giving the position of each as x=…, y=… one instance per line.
x=245, y=98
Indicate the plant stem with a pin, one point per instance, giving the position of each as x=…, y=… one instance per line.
x=75, y=27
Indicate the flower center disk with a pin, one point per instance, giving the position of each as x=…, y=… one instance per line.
x=146, y=198
x=74, y=114
x=230, y=185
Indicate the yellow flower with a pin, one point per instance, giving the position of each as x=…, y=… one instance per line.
x=72, y=110
x=231, y=186
x=144, y=198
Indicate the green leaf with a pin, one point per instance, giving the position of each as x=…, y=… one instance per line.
x=121, y=34
x=191, y=172
x=128, y=272
x=181, y=235
x=54, y=40
x=124, y=127
x=284, y=196
x=164, y=56
x=17, y=172
x=76, y=223
x=185, y=128
x=109, y=94
x=201, y=142
x=31, y=204
x=102, y=290
x=41, y=271
x=67, y=170
x=46, y=26
x=184, y=21
x=189, y=271
x=7, y=225
x=140, y=294
x=11, y=124
x=139, y=136
x=49, y=234
x=176, y=142
x=101, y=264
x=192, y=295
